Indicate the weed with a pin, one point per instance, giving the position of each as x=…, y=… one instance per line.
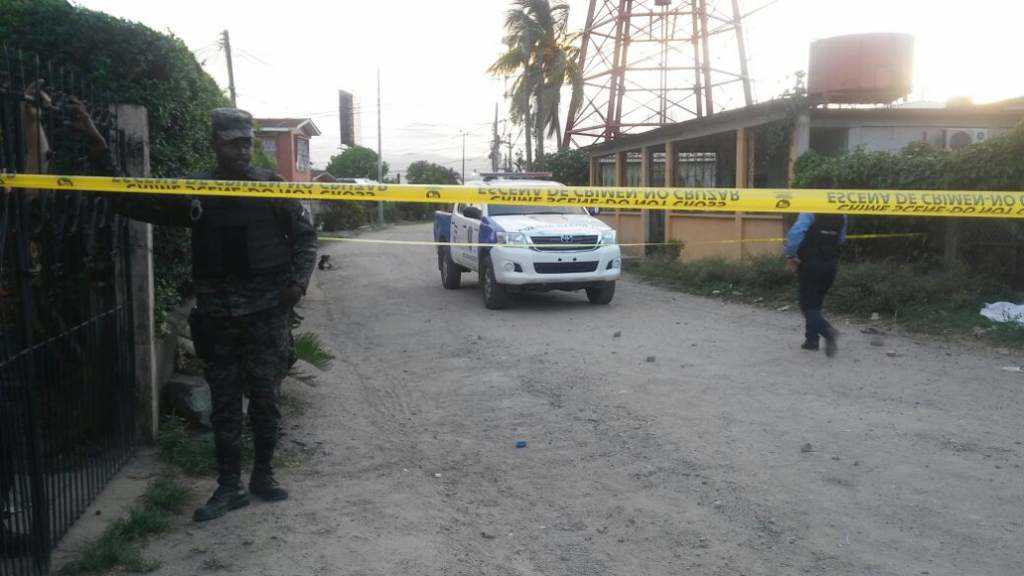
x=309, y=348
x=193, y=453
x=167, y=494
x=119, y=546
x=108, y=553
x=921, y=298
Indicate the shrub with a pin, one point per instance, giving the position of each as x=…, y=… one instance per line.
x=337, y=216
x=570, y=167
x=126, y=62
x=987, y=245
x=309, y=348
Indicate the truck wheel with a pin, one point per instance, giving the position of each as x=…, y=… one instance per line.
x=495, y=297
x=451, y=274
x=602, y=294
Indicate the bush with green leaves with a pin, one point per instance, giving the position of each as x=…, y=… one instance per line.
x=986, y=244
x=570, y=167
x=337, y=216
x=356, y=162
x=922, y=296
x=128, y=63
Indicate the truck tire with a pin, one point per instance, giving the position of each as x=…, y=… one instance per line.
x=495, y=296
x=602, y=294
x=451, y=273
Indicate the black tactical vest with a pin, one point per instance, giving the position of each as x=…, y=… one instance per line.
x=822, y=239
x=239, y=237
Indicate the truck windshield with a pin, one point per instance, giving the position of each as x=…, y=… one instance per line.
x=500, y=210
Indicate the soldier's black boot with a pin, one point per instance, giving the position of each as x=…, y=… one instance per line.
x=229, y=495
x=264, y=419
x=263, y=485
x=224, y=500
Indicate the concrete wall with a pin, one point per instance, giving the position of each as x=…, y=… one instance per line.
x=729, y=236
x=836, y=140
x=134, y=121
x=630, y=227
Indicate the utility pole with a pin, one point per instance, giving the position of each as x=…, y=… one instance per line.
x=508, y=160
x=380, y=155
x=226, y=44
x=463, y=158
x=495, y=144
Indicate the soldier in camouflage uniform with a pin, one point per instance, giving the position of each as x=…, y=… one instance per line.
x=252, y=260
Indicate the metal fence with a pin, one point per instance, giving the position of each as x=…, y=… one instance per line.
x=67, y=392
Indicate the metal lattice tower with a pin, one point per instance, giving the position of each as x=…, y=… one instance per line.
x=648, y=63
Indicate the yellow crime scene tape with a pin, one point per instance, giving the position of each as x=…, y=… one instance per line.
x=980, y=204
x=620, y=245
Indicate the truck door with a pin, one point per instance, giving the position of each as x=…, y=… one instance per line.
x=465, y=230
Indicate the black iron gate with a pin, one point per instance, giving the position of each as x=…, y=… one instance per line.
x=67, y=392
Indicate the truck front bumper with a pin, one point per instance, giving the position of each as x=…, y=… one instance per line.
x=530, y=268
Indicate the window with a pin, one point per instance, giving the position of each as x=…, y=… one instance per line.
x=302, y=155
x=269, y=146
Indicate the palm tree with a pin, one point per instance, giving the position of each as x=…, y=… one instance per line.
x=541, y=55
x=563, y=68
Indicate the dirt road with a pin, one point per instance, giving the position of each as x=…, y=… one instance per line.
x=666, y=435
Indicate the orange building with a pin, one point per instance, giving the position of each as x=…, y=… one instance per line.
x=287, y=141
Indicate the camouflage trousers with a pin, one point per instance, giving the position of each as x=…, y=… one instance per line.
x=251, y=355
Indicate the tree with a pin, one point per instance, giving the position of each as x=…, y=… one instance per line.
x=356, y=162
x=570, y=167
x=541, y=56
x=128, y=63
x=423, y=172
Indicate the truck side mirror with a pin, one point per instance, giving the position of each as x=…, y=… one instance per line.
x=473, y=212
x=594, y=211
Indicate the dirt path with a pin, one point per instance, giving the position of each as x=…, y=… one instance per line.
x=688, y=464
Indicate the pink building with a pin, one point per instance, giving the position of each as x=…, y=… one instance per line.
x=287, y=141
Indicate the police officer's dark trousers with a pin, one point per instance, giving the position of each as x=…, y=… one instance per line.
x=249, y=354
x=816, y=276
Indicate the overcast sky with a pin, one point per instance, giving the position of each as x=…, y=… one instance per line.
x=290, y=58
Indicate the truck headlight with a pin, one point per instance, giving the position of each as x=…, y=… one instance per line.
x=608, y=237
x=512, y=238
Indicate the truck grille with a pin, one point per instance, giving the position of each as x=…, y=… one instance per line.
x=564, y=267
x=567, y=243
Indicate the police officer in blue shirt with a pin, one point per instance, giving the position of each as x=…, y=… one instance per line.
x=812, y=251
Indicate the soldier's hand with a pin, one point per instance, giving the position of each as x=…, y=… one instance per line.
x=291, y=295
x=793, y=264
x=82, y=122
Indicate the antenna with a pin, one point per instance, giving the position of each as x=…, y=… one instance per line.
x=649, y=63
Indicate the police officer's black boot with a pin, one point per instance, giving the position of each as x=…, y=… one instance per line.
x=229, y=494
x=262, y=483
x=831, y=341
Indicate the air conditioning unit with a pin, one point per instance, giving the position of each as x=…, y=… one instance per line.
x=957, y=138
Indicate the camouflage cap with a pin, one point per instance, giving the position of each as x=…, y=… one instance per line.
x=231, y=123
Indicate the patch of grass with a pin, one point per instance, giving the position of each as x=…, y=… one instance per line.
x=119, y=548
x=195, y=454
x=167, y=494
x=309, y=348
x=106, y=554
x=142, y=521
x=925, y=299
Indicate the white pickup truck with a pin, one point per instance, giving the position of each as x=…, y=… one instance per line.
x=538, y=248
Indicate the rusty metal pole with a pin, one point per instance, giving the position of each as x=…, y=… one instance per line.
x=697, y=92
x=737, y=17
x=708, y=97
